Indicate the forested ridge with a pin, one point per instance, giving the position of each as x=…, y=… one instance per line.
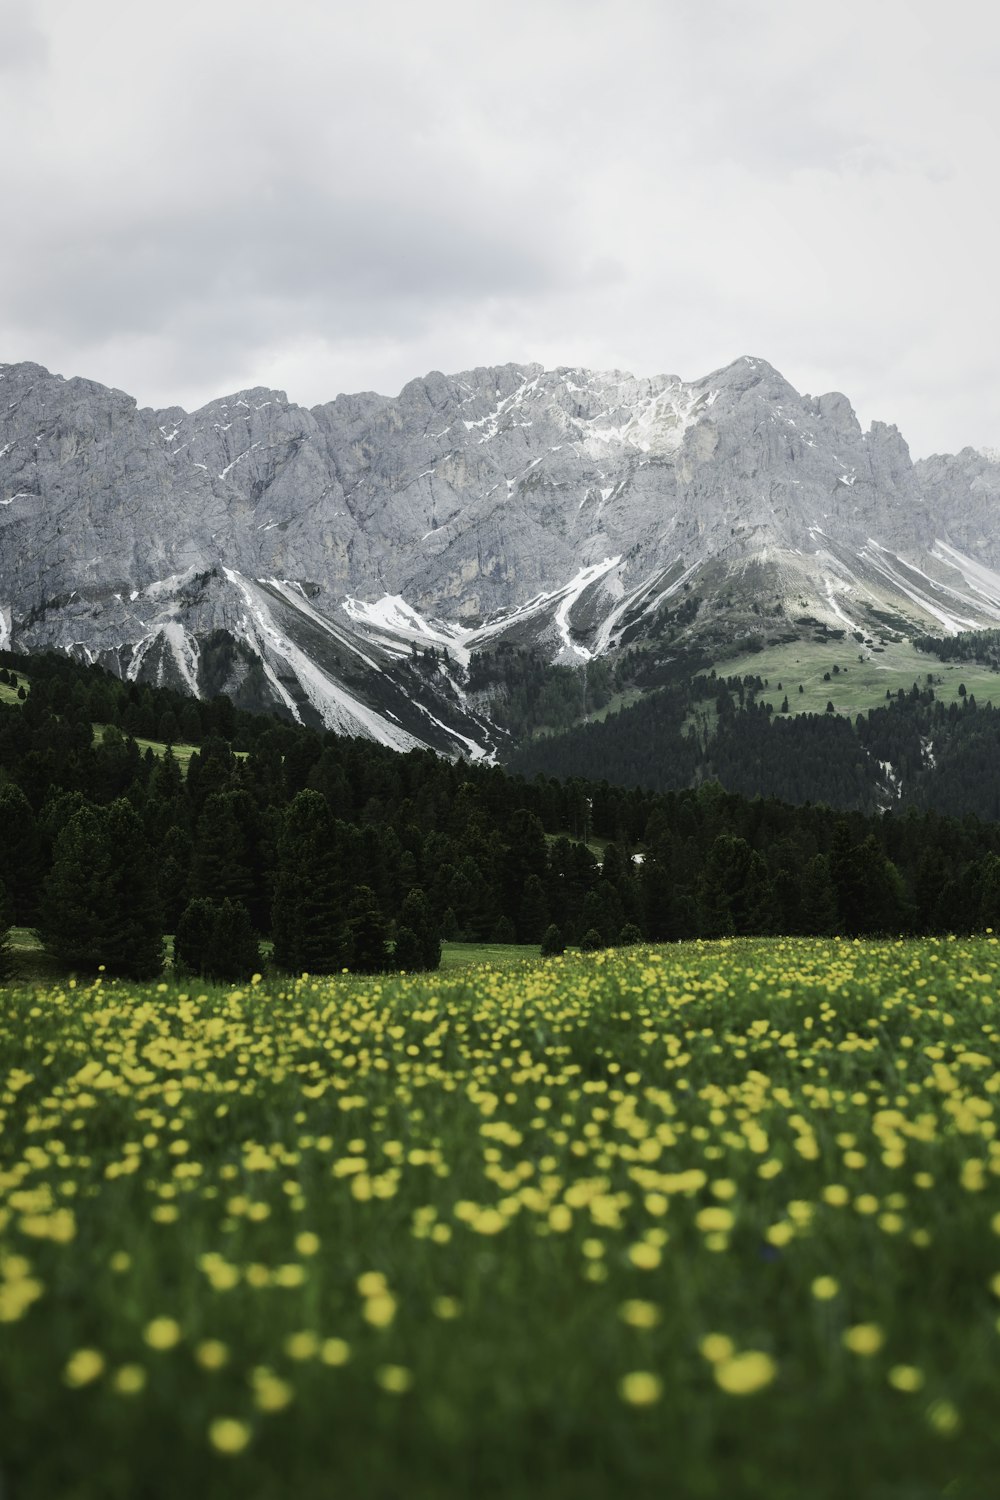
x=344, y=854
x=913, y=752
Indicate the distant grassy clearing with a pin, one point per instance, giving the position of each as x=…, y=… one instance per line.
x=181, y=753
x=459, y=955
x=863, y=684
x=9, y=694
x=33, y=964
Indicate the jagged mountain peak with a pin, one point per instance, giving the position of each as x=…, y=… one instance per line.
x=298, y=556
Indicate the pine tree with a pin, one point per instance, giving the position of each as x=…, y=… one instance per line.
x=369, y=953
x=174, y=864
x=407, y=953
x=222, y=864
x=552, y=942
x=533, y=916
x=215, y=940
x=309, y=928
x=99, y=904
x=817, y=899
x=591, y=941
x=135, y=923
x=416, y=915
x=22, y=855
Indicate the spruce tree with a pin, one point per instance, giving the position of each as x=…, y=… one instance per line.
x=369, y=953
x=533, y=916
x=99, y=904
x=22, y=854
x=222, y=864
x=308, y=920
x=416, y=915
x=503, y=931
x=552, y=941
x=407, y=953
x=194, y=935
x=215, y=940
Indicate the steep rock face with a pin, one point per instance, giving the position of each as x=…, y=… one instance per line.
x=299, y=558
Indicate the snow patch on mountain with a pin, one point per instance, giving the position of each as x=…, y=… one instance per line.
x=574, y=589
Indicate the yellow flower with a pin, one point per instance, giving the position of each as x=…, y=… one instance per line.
x=211, y=1354
x=270, y=1392
x=307, y=1243
x=825, y=1287
x=396, y=1379
x=120, y=1261
x=83, y=1367
x=640, y=1388
x=943, y=1417
x=372, y=1284
x=744, y=1374
x=291, y=1275
x=446, y=1308
x=229, y=1435
x=639, y=1314
x=488, y=1221
x=723, y=1188
x=716, y=1347
x=864, y=1339
x=129, y=1380
x=162, y=1333
x=835, y=1195
x=304, y=1345
x=335, y=1351
x=380, y=1310
x=905, y=1377
x=644, y=1257
x=995, y=1285
x=715, y=1219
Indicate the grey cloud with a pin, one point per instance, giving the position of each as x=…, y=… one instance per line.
x=347, y=196
x=24, y=46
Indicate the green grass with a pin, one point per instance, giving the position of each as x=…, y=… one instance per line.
x=597, y=846
x=9, y=694
x=863, y=684
x=182, y=753
x=460, y=955
x=713, y=1220
x=34, y=965
x=31, y=962
x=615, y=704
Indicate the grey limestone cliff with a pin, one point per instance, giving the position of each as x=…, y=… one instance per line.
x=300, y=557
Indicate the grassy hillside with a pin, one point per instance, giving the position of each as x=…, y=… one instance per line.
x=709, y=1220
x=858, y=685
x=8, y=694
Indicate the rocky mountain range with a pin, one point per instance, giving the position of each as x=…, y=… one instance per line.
x=341, y=563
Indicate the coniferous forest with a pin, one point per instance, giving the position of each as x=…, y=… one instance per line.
x=341, y=854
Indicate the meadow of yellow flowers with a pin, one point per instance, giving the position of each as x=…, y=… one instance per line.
x=707, y=1220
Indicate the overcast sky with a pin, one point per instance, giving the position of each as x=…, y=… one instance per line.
x=339, y=195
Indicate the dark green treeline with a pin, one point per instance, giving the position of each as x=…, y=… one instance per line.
x=347, y=855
